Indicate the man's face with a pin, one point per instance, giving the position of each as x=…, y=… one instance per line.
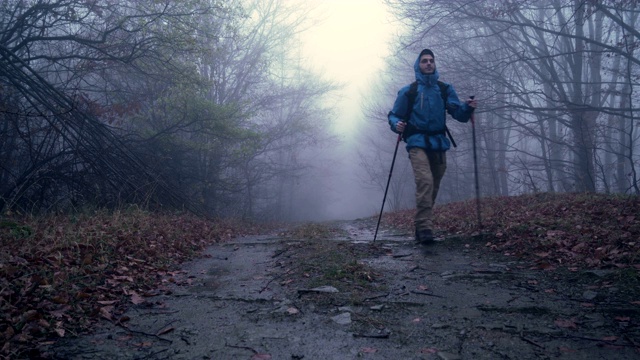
x=427, y=64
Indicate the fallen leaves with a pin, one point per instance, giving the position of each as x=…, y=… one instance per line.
x=165, y=330
x=136, y=299
x=105, y=312
x=571, y=230
x=428, y=351
x=71, y=271
x=566, y=323
x=64, y=273
x=368, y=350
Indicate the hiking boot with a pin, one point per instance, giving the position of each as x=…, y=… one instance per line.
x=424, y=236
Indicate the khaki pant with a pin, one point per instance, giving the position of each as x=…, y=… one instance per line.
x=428, y=170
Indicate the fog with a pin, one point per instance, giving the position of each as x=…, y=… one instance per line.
x=348, y=45
x=275, y=110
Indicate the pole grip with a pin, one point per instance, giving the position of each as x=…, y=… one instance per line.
x=472, y=110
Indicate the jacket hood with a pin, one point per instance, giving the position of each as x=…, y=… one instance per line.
x=425, y=79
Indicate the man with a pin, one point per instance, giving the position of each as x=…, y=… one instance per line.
x=423, y=127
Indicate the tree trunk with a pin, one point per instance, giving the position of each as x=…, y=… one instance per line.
x=582, y=123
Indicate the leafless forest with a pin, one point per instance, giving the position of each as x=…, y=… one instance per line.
x=206, y=105
x=162, y=104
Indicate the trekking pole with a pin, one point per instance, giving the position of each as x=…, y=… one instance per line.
x=395, y=152
x=475, y=167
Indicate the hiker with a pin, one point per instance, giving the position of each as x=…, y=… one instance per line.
x=419, y=115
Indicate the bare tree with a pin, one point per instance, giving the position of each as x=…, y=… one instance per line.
x=253, y=64
x=56, y=99
x=162, y=102
x=541, y=68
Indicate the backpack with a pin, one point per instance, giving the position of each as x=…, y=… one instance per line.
x=409, y=129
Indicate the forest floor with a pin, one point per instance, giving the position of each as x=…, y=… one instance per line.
x=327, y=291
x=549, y=276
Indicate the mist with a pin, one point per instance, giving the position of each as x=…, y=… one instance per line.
x=347, y=48
x=276, y=110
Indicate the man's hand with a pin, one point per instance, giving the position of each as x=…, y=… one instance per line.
x=400, y=126
x=472, y=102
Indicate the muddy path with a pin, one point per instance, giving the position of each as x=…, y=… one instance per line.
x=344, y=297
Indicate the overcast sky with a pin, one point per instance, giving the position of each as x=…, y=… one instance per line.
x=349, y=46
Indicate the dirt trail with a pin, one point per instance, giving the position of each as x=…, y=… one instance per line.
x=251, y=299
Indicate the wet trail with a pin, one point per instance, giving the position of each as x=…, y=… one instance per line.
x=451, y=300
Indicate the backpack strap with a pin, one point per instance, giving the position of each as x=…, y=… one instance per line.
x=411, y=95
x=444, y=92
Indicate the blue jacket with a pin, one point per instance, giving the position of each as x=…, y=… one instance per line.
x=428, y=111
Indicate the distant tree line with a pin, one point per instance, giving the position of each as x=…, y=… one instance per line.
x=193, y=104
x=557, y=81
